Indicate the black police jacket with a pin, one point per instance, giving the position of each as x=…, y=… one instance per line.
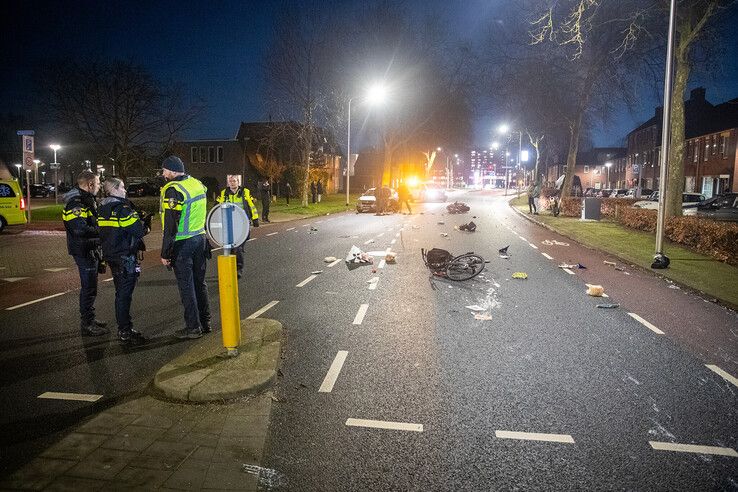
x=80, y=222
x=121, y=229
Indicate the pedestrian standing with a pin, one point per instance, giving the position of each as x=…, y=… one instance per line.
x=403, y=195
x=288, y=191
x=233, y=193
x=121, y=238
x=183, y=207
x=83, y=241
x=531, y=201
x=266, y=199
x=319, y=189
x=313, y=191
x=536, y=197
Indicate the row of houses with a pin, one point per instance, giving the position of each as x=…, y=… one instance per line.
x=710, y=158
x=260, y=151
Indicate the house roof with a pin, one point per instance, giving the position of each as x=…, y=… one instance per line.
x=322, y=138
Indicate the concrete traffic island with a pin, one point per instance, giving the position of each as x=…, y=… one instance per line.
x=205, y=374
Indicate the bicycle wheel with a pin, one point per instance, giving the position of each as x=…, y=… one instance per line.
x=465, y=267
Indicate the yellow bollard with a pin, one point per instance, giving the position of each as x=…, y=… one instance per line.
x=230, y=313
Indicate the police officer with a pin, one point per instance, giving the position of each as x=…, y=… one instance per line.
x=80, y=222
x=121, y=237
x=242, y=197
x=266, y=199
x=183, y=205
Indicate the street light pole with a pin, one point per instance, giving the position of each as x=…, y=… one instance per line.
x=660, y=260
x=56, y=147
x=348, y=153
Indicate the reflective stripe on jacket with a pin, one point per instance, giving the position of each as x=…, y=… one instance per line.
x=241, y=197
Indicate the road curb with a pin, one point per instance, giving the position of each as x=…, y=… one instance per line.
x=205, y=374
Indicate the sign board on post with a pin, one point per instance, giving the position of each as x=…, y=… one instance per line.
x=228, y=225
x=28, y=152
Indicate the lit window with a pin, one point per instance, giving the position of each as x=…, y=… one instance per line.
x=586, y=169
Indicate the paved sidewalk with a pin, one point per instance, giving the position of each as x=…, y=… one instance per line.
x=149, y=444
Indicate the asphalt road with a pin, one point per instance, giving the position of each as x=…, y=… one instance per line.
x=548, y=361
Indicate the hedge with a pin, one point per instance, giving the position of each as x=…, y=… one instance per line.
x=717, y=239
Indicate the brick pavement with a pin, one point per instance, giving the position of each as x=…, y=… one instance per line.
x=152, y=444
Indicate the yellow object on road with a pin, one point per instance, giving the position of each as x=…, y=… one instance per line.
x=230, y=312
x=520, y=275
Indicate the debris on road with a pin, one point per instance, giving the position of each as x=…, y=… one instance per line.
x=390, y=257
x=503, y=251
x=483, y=316
x=313, y=230
x=329, y=259
x=373, y=280
x=520, y=275
x=611, y=263
x=470, y=227
x=608, y=306
x=357, y=256
x=457, y=208
x=440, y=222
x=316, y=272
x=476, y=308
x=672, y=286
x=595, y=290
x=444, y=234
x=575, y=265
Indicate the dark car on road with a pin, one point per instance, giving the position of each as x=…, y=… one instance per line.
x=143, y=189
x=720, y=207
x=39, y=191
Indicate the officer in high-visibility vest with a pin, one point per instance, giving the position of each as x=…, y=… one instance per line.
x=183, y=207
x=121, y=238
x=242, y=197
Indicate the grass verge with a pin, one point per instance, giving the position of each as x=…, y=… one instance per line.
x=714, y=278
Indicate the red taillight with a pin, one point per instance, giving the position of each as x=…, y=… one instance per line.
x=23, y=203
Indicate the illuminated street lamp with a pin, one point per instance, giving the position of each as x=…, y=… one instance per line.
x=56, y=147
x=375, y=95
x=608, y=165
x=495, y=145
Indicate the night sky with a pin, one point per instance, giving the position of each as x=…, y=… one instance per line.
x=216, y=49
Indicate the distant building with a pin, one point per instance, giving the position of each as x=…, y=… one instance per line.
x=592, y=167
x=486, y=168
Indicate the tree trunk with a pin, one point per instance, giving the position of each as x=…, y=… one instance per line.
x=675, y=161
x=307, y=146
x=571, y=158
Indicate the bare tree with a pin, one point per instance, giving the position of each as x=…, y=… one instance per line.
x=117, y=108
x=600, y=39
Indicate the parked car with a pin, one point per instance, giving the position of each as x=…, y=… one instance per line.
x=12, y=204
x=603, y=193
x=39, y=191
x=619, y=193
x=368, y=201
x=645, y=192
x=689, y=200
x=143, y=189
x=432, y=193
x=719, y=207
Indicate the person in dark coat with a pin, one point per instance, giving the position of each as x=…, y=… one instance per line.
x=266, y=199
x=313, y=191
x=83, y=241
x=288, y=191
x=319, y=189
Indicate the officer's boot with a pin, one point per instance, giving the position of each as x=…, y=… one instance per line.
x=129, y=336
x=91, y=329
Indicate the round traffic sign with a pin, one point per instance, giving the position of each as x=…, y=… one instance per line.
x=228, y=225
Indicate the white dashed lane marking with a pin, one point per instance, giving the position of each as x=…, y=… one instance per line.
x=51, y=395
x=290, y=229
x=368, y=241
x=360, y=314
x=692, y=448
x=304, y=282
x=728, y=377
x=548, y=256
x=252, y=239
x=380, y=234
x=381, y=264
x=56, y=269
x=263, y=310
x=334, y=263
x=393, y=241
x=35, y=301
x=534, y=436
x=383, y=424
x=645, y=323
x=373, y=284
x=333, y=372
x=272, y=233
x=532, y=245
x=568, y=271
